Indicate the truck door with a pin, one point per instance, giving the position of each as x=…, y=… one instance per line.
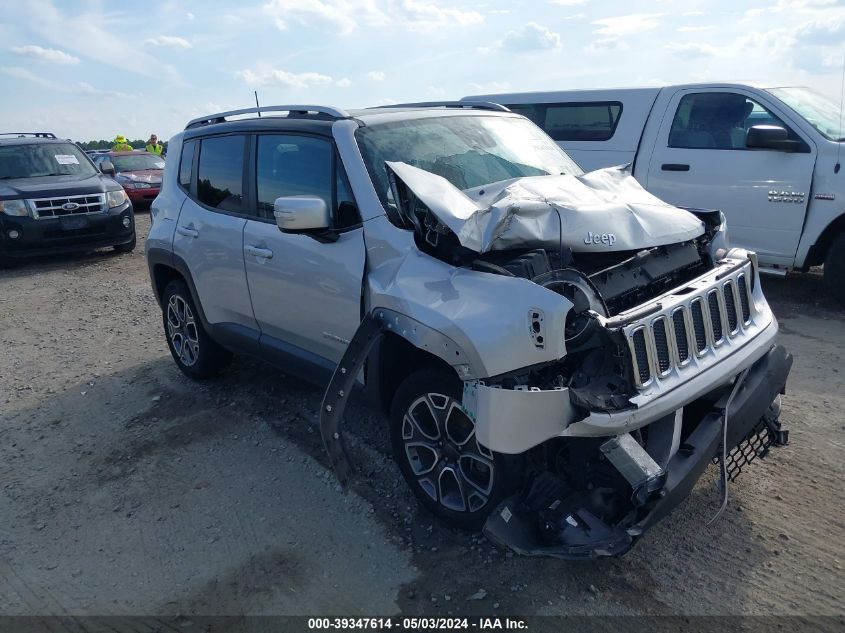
x=700, y=160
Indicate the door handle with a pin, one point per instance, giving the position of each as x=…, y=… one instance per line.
x=187, y=232
x=674, y=167
x=257, y=251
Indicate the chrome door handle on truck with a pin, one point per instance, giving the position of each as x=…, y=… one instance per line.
x=257, y=251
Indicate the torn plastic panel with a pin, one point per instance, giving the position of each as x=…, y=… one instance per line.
x=372, y=329
x=583, y=506
x=604, y=210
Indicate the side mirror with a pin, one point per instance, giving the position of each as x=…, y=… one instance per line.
x=770, y=137
x=301, y=213
x=107, y=167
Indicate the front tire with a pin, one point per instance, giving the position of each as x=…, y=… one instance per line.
x=434, y=443
x=834, y=268
x=194, y=351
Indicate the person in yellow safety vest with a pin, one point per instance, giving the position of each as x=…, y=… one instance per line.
x=153, y=146
x=120, y=144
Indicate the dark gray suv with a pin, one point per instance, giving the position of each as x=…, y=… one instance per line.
x=54, y=200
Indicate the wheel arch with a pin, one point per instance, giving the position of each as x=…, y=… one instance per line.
x=393, y=360
x=818, y=251
x=166, y=267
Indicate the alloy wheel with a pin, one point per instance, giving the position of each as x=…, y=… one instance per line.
x=443, y=452
x=182, y=330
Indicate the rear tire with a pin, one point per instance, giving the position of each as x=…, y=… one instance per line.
x=126, y=248
x=194, y=351
x=834, y=268
x=434, y=444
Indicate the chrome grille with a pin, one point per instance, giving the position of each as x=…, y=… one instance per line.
x=681, y=335
x=76, y=205
x=743, y=297
x=641, y=354
x=696, y=323
x=661, y=346
x=715, y=316
x=730, y=307
x=698, y=326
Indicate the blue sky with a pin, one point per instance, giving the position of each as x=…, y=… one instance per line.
x=89, y=69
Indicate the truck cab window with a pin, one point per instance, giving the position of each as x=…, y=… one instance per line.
x=717, y=120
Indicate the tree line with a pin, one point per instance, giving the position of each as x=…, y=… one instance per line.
x=103, y=144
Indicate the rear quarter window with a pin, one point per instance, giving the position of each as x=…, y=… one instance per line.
x=582, y=121
x=186, y=164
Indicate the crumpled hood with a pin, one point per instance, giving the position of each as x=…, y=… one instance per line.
x=600, y=211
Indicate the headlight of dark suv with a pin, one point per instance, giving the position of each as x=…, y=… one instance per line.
x=14, y=207
x=116, y=198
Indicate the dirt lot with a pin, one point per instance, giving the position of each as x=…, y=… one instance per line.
x=128, y=489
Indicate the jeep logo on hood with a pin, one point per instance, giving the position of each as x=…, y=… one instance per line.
x=600, y=238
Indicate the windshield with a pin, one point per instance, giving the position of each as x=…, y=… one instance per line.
x=136, y=162
x=822, y=113
x=43, y=159
x=468, y=151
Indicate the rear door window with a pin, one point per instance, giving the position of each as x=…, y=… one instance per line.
x=220, y=173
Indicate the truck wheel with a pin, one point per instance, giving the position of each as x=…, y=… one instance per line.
x=196, y=354
x=834, y=268
x=434, y=443
x=126, y=248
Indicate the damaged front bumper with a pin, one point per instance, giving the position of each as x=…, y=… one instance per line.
x=545, y=520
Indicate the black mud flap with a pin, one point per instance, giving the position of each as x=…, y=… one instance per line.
x=337, y=395
x=535, y=523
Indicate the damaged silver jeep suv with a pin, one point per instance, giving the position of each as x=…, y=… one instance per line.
x=560, y=355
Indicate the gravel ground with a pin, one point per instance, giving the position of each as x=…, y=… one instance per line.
x=128, y=489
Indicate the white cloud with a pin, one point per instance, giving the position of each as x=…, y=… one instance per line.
x=694, y=49
x=607, y=45
x=348, y=15
x=23, y=73
x=627, y=24
x=86, y=88
x=190, y=16
x=343, y=82
x=568, y=3
x=96, y=34
x=169, y=41
x=531, y=37
x=491, y=87
x=693, y=29
x=273, y=76
x=45, y=54
x=427, y=16
x=376, y=75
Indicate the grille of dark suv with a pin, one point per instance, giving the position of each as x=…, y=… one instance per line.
x=69, y=205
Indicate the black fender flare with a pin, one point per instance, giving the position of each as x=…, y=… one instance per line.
x=372, y=329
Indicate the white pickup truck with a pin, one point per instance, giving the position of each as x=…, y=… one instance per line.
x=769, y=158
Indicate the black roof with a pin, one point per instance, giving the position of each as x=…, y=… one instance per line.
x=306, y=124
x=30, y=140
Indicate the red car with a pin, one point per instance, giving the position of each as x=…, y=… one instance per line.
x=139, y=173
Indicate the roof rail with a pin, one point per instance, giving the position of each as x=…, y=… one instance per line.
x=476, y=105
x=220, y=117
x=30, y=134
